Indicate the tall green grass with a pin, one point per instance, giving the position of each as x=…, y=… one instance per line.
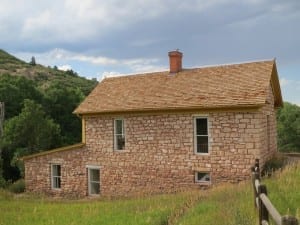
x=234, y=204
x=284, y=190
x=30, y=210
x=230, y=204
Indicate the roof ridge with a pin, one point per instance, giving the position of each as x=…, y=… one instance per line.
x=193, y=68
x=133, y=74
x=235, y=63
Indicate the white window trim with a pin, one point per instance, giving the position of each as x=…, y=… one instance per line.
x=115, y=135
x=52, y=176
x=93, y=167
x=89, y=180
x=200, y=181
x=195, y=134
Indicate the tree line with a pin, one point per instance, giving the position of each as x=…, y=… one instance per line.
x=36, y=119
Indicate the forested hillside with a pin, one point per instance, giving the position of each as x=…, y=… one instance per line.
x=39, y=102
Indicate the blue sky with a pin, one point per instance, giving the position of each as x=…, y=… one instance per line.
x=99, y=38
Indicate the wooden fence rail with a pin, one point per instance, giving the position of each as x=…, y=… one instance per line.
x=263, y=203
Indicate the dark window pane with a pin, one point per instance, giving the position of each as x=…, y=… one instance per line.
x=120, y=142
x=201, y=124
x=95, y=188
x=119, y=126
x=56, y=170
x=56, y=182
x=202, y=144
x=203, y=176
x=94, y=175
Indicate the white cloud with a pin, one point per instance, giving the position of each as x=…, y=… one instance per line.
x=55, y=55
x=94, y=59
x=284, y=82
x=65, y=67
x=59, y=56
x=70, y=20
x=142, y=65
x=110, y=74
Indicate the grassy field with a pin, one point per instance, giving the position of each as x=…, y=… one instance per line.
x=225, y=204
x=233, y=204
x=29, y=210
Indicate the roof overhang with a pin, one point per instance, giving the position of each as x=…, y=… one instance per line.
x=278, y=102
x=66, y=148
x=233, y=108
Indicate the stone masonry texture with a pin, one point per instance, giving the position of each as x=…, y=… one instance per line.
x=159, y=155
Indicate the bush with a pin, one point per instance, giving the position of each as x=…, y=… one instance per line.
x=17, y=187
x=3, y=183
x=273, y=164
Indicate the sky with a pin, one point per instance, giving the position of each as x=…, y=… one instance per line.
x=98, y=38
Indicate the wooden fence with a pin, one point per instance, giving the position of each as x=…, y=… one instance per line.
x=263, y=203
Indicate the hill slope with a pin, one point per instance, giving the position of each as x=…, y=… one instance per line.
x=43, y=76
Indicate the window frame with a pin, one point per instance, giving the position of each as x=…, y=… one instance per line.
x=207, y=135
x=89, y=168
x=116, y=135
x=55, y=177
x=204, y=182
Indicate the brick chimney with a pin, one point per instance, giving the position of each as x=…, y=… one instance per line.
x=175, y=58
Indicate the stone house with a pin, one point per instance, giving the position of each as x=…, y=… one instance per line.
x=165, y=131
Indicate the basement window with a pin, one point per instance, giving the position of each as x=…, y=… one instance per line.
x=119, y=134
x=201, y=135
x=202, y=177
x=55, y=176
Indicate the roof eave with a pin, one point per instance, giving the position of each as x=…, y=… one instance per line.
x=66, y=148
x=244, y=107
x=278, y=101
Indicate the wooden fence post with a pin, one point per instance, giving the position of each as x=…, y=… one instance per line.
x=254, y=177
x=263, y=211
x=256, y=165
x=289, y=220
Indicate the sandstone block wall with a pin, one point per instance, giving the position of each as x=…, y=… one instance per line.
x=159, y=153
x=269, y=124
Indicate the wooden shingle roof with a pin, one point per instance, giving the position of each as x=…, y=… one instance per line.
x=226, y=86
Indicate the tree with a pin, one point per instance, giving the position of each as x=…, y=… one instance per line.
x=13, y=91
x=2, y=181
x=32, y=62
x=60, y=102
x=29, y=132
x=288, y=127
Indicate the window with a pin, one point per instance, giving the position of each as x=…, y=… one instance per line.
x=119, y=135
x=201, y=135
x=202, y=177
x=56, y=176
x=94, y=181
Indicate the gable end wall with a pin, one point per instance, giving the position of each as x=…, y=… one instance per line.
x=269, y=134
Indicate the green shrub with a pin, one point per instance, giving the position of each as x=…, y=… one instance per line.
x=273, y=164
x=3, y=183
x=17, y=187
